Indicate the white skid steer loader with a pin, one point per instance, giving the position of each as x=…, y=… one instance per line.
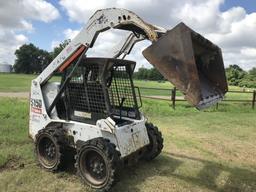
x=94, y=110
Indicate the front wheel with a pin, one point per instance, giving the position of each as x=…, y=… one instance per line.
x=156, y=142
x=49, y=149
x=97, y=163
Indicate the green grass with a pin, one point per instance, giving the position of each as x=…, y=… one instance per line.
x=21, y=83
x=15, y=82
x=213, y=150
x=158, y=84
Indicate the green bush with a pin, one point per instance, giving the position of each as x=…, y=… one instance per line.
x=238, y=77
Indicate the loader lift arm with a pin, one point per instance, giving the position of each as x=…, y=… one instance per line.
x=185, y=58
x=101, y=21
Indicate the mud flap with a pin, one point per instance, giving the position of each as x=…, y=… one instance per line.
x=192, y=63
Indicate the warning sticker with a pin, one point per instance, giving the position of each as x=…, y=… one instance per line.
x=36, y=105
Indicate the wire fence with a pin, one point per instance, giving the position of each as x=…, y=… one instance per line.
x=174, y=95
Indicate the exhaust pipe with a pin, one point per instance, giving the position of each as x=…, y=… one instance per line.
x=192, y=63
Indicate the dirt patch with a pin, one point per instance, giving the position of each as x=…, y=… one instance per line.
x=13, y=163
x=15, y=94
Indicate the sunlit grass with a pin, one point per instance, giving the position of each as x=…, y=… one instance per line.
x=211, y=150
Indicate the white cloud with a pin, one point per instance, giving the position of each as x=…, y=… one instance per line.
x=249, y=52
x=70, y=33
x=17, y=14
x=9, y=42
x=136, y=55
x=106, y=42
x=54, y=44
x=15, y=18
x=233, y=30
x=26, y=25
x=40, y=10
x=234, y=14
x=204, y=16
x=81, y=10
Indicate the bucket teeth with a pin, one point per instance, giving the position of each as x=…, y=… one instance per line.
x=209, y=101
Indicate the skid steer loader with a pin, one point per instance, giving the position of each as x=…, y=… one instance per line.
x=94, y=109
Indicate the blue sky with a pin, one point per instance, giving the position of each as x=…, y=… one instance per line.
x=248, y=5
x=45, y=33
x=231, y=24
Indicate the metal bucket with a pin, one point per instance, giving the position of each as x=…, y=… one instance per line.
x=192, y=63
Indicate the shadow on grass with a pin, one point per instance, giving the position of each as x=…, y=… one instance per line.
x=167, y=165
x=207, y=176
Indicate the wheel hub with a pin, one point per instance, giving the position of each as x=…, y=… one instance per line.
x=94, y=167
x=47, y=152
x=50, y=150
x=97, y=167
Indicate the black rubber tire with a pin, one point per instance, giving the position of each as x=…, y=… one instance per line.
x=57, y=138
x=107, y=153
x=156, y=142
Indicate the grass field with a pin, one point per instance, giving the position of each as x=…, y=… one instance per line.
x=15, y=82
x=204, y=151
x=21, y=83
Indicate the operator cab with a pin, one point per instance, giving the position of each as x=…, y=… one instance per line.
x=100, y=88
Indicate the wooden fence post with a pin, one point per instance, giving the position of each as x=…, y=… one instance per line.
x=173, y=98
x=253, y=99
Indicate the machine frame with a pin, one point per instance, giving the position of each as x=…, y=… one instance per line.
x=101, y=129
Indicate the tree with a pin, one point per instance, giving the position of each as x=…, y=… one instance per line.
x=31, y=59
x=249, y=79
x=253, y=72
x=235, y=74
x=59, y=48
x=154, y=74
x=44, y=59
x=148, y=74
x=141, y=74
x=238, y=77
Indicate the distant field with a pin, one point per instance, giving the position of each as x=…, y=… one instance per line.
x=21, y=83
x=205, y=151
x=15, y=82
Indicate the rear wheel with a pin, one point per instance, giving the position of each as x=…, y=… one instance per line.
x=49, y=150
x=156, y=142
x=97, y=163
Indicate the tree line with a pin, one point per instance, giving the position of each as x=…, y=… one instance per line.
x=238, y=77
x=148, y=74
x=235, y=76
x=33, y=60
